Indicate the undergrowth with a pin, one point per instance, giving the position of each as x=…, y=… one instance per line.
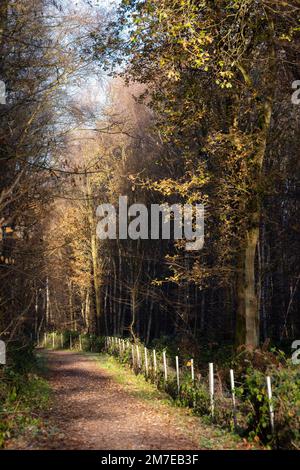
x=251, y=418
x=23, y=392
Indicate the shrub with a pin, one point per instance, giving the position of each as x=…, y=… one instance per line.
x=21, y=391
x=285, y=379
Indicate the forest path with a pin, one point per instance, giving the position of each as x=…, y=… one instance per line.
x=90, y=410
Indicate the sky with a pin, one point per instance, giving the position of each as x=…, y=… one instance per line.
x=94, y=86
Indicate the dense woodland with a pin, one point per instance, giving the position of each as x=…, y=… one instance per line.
x=165, y=102
x=196, y=108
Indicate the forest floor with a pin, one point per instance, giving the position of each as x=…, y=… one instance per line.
x=98, y=404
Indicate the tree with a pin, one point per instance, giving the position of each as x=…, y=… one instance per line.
x=213, y=72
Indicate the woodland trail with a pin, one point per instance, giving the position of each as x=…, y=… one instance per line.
x=91, y=411
x=96, y=407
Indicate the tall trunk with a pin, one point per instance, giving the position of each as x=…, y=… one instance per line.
x=248, y=321
x=263, y=265
x=133, y=305
x=88, y=314
x=195, y=310
x=247, y=312
x=96, y=279
x=94, y=256
x=105, y=310
x=115, y=295
x=36, y=311
x=202, y=311
x=71, y=311
x=120, y=309
x=82, y=307
x=149, y=325
x=47, y=303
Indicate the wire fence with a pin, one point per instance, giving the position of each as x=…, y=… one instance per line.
x=206, y=393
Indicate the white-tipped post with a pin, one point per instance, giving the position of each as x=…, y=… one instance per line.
x=154, y=363
x=232, y=386
x=138, y=357
x=146, y=362
x=80, y=343
x=71, y=344
x=61, y=341
x=53, y=340
x=192, y=370
x=177, y=374
x=271, y=409
x=211, y=388
x=193, y=378
x=132, y=356
x=165, y=366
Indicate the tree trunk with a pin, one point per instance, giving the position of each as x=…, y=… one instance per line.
x=149, y=324
x=94, y=256
x=248, y=314
x=247, y=332
x=47, y=303
x=105, y=310
x=88, y=316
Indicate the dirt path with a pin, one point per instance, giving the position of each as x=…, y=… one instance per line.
x=91, y=410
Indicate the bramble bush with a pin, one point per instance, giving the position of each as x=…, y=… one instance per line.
x=286, y=403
